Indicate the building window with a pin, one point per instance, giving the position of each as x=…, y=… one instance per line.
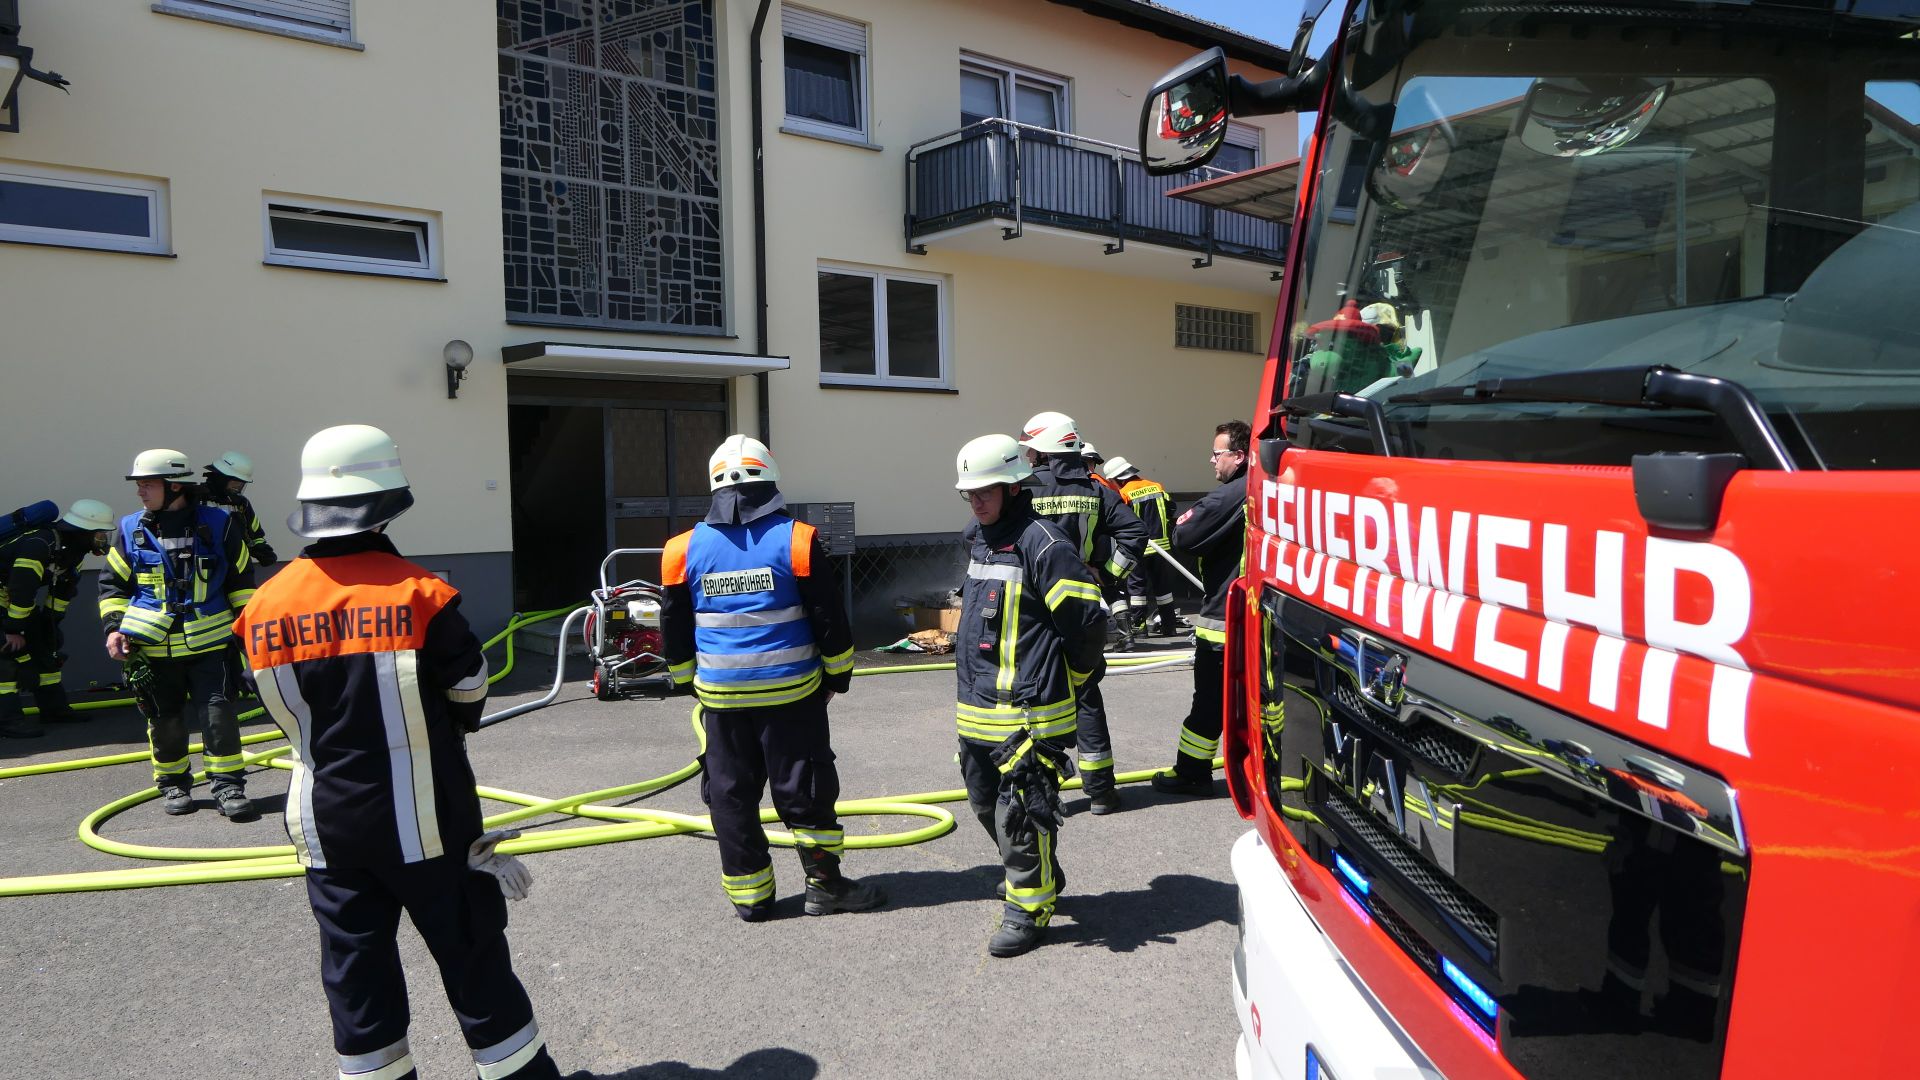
x=990, y=89
x=610, y=165
x=332, y=19
x=882, y=328
x=1196, y=327
x=88, y=210
x=1240, y=150
x=826, y=74
x=358, y=239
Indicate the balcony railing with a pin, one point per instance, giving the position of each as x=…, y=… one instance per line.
x=1034, y=176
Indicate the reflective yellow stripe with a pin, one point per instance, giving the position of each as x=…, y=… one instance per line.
x=39, y=568
x=839, y=663
x=113, y=605
x=980, y=723
x=1009, y=638
x=682, y=674
x=745, y=889
x=146, y=625
x=238, y=598
x=1066, y=587
x=57, y=605
x=50, y=678
x=720, y=697
x=14, y=611
x=117, y=563
x=833, y=840
x=1197, y=746
x=1208, y=634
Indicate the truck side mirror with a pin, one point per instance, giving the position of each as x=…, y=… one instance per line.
x=1184, y=121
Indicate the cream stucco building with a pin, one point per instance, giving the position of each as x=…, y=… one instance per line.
x=253, y=218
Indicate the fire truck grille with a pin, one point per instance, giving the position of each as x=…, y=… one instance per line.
x=1382, y=845
x=1437, y=745
x=1403, y=933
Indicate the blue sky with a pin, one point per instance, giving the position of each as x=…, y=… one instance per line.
x=1271, y=20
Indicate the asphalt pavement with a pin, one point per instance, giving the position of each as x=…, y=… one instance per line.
x=636, y=965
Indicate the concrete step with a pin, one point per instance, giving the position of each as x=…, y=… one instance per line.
x=544, y=639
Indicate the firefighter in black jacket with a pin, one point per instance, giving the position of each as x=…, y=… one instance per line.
x=177, y=575
x=227, y=477
x=752, y=618
x=1032, y=626
x=30, y=636
x=1214, y=532
x=366, y=663
x=1108, y=538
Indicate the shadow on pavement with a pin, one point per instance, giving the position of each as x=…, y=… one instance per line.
x=931, y=888
x=769, y=1064
x=1126, y=921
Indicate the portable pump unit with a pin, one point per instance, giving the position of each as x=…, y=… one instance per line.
x=622, y=634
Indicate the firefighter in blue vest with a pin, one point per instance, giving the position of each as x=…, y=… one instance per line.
x=178, y=573
x=753, y=620
x=367, y=664
x=1110, y=540
x=33, y=559
x=1032, y=626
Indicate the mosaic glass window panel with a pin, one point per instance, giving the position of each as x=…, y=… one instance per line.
x=610, y=164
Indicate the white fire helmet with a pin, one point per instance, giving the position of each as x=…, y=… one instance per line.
x=235, y=464
x=1051, y=433
x=741, y=460
x=90, y=515
x=350, y=482
x=990, y=460
x=1118, y=468
x=160, y=465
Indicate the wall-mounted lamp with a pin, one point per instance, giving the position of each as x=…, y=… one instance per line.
x=16, y=65
x=458, y=354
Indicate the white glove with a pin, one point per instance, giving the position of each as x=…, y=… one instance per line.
x=516, y=881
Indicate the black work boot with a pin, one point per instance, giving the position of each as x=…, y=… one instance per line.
x=15, y=724
x=757, y=912
x=826, y=896
x=234, y=804
x=1174, y=782
x=176, y=799
x=1102, y=796
x=1015, y=936
x=54, y=706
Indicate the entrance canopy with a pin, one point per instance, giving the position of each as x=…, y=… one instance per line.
x=562, y=358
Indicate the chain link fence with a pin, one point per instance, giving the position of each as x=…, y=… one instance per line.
x=892, y=573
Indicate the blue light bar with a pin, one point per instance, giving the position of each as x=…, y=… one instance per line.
x=1354, y=877
x=1480, y=998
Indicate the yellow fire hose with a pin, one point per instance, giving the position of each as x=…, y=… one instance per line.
x=617, y=824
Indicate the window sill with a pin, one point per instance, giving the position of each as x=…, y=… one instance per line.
x=402, y=275
x=317, y=37
x=854, y=141
x=897, y=388
x=89, y=247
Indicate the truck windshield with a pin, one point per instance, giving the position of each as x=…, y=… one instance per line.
x=1517, y=189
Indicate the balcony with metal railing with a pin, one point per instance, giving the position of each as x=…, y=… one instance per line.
x=1061, y=197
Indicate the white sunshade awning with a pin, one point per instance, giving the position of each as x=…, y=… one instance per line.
x=1267, y=192
x=561, y=358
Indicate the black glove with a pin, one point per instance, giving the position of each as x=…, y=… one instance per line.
x=139, y=677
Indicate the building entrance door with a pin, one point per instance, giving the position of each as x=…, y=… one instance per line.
x=600, y=464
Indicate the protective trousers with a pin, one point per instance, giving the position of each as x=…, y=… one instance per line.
x=463, y=919
x=1028, y=853
x=1200, y=732
x=789, y=746
x=34, y=670
x=201, y=681
x=1093, y=740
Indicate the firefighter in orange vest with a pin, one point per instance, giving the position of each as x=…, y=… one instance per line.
x=753, y=620
x=368, y=666
x=1150, y=584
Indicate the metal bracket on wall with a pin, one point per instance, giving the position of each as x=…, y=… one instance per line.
x=1119, y=245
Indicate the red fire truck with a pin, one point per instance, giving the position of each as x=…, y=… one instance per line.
x=1573, y=685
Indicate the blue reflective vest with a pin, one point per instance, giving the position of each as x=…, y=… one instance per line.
x=753, y=640
x=191, y=609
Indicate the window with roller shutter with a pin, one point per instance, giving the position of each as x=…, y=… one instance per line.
x=325, y=18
